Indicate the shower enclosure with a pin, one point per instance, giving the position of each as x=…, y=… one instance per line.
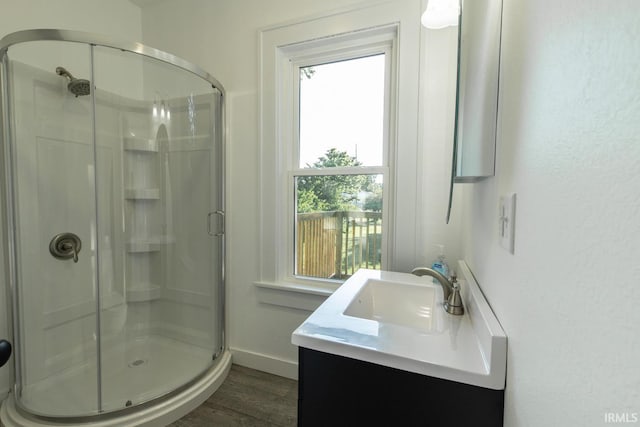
x=113, y=196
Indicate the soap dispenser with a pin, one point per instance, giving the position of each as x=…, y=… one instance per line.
x=440, y=264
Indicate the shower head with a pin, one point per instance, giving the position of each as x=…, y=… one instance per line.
x=78, y=87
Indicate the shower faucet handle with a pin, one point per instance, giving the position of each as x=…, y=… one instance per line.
x=65, y=246
x=70, y=247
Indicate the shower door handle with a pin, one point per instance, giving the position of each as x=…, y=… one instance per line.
x=222, y=225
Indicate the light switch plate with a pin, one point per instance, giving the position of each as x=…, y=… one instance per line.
x=507, y=221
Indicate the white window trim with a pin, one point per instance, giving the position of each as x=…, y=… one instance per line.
x=283, y=50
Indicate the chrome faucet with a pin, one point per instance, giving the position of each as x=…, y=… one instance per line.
x=450, y=288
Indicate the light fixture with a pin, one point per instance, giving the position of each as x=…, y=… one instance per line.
x=441, y=14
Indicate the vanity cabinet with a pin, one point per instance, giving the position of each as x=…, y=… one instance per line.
x=340, y=391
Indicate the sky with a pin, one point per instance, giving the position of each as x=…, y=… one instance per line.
x=342, y=106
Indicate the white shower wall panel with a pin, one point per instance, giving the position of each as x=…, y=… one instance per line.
x=188, y=200
x=55, y=172
x=189, y=173
x=169, y=293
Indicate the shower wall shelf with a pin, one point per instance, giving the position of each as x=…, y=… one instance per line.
x=143, y=250
x=142, y=193
x=134, y=143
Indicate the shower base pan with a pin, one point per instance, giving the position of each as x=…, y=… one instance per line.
x=149, y=367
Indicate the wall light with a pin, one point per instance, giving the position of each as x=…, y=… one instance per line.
x=441, y=14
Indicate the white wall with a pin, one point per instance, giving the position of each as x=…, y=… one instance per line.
x=117, y=18
x=437, y=96
x=569, y=146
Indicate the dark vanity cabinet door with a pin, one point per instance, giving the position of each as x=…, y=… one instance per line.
x=339, y=391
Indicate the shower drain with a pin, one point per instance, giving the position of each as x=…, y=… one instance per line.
x=137, y=362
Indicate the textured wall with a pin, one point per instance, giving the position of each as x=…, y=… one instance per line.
x=569, y=147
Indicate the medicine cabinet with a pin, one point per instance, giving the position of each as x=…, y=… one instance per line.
x=479, y=34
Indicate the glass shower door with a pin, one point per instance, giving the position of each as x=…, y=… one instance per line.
x=54, y=214
x=116, y=196
x=160, y=270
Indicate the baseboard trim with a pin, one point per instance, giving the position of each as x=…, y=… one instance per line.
x=265, y=363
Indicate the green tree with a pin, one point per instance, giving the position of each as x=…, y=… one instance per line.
x=333, y=192
x=374, y=201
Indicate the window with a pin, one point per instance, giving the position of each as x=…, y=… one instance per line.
x=338, y=127
x=338, y=183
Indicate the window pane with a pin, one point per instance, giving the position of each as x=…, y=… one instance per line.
x=342, y=108
x=338, y=227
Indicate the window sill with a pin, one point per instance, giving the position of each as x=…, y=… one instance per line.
x=292, y=295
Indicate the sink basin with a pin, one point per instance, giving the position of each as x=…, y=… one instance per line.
x=397, y=303
x=398, y=320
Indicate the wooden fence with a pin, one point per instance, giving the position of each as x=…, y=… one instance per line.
x=336, y=244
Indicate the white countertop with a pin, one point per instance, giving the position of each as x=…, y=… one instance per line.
x=470, y=349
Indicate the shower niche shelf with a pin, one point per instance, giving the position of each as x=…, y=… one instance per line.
x=134, y=143
x=142, y=193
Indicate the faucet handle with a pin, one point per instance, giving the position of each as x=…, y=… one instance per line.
x=453, y=304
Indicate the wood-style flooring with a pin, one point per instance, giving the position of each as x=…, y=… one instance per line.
x=247, y=398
